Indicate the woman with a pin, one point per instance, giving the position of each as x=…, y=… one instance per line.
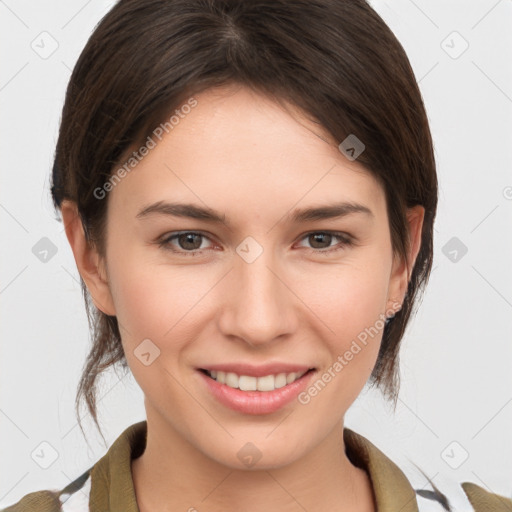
x=249, y=190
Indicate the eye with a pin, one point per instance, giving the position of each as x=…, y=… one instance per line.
x=188, y=241
x=321, y=241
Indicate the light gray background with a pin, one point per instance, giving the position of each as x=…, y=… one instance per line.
x=457, y=353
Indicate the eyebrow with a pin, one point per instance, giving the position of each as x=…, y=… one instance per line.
x=192, y=211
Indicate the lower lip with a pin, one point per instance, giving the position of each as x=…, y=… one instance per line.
x=256, y=402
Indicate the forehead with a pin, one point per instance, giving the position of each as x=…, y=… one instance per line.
x=241, y=147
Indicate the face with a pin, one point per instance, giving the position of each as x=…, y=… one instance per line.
x=263, y=291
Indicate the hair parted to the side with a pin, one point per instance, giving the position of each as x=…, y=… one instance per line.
x=334, y=59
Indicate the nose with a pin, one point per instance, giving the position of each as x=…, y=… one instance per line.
x=259, y=305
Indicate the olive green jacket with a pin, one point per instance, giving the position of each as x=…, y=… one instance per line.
x=108, y=485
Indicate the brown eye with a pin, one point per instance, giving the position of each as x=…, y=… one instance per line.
x=189, y=241
x=184, y=242
x=321, y=241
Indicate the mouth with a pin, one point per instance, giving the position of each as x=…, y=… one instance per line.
x=256, y=390
x=263, y=383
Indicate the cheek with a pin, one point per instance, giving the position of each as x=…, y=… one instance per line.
x=348, y=297
x=351, y=307
x=155, y=300
x=154, y=303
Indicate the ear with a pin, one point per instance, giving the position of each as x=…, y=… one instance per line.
x=402, y=269
x=90, y=265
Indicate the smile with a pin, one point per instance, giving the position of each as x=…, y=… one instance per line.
x=250, y=383
x=264, y=393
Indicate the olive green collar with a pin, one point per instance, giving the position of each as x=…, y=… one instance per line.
x=112, y=484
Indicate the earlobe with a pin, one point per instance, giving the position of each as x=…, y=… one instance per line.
x=402, y=270
x=415, y=218
x=90, y=265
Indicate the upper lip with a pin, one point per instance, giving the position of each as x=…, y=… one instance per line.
x=257, y=371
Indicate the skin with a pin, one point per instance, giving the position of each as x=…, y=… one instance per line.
x=243, y=155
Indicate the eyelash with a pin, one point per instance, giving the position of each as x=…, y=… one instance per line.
x=346, y=241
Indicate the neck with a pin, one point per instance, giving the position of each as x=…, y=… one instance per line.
x=172, y=474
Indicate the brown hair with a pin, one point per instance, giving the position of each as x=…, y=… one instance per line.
x=334, y=59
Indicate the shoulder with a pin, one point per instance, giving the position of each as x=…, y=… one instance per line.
x=485, y=500
x=449, y=495
x=41, y=501
x=73, y=498
x=398, y=487
x=109, y=476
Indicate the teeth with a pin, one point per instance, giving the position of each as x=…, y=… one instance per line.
x=248, y=383
x=266, y=383
x=231, y=380
x=291, y=377
x=280, y=380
